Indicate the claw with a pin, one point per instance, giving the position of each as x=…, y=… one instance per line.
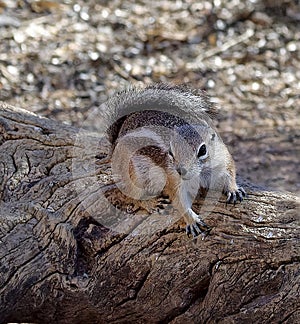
x=194, y=230
x=244, y=193
x=197, y=229
x=241, y=194
x=233, y=196
x=228, y=197
x=188, y=230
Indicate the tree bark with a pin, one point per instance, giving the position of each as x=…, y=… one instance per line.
x=70, y=254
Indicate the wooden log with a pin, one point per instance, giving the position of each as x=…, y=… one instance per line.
x=69, y=254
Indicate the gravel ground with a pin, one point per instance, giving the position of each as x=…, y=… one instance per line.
x=63, y=59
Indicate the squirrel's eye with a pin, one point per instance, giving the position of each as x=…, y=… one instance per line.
x=202, y=152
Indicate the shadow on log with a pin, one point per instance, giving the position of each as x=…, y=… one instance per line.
x=65, y=259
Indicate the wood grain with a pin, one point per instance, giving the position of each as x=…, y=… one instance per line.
x=69, y=255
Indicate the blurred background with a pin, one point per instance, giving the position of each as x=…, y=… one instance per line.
x=62, y=59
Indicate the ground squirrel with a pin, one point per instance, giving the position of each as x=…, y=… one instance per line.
x=163, y=142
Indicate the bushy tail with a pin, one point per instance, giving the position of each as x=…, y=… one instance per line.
x=179, y=100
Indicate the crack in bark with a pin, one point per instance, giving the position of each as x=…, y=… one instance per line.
x=136, y=289
x=286, y=319
x=19, y=269
x=199, y=296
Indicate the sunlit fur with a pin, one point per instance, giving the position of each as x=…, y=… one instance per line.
x=156, y=134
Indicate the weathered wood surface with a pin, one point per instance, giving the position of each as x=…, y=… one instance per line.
x=58, y=264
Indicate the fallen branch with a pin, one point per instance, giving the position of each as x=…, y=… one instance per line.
x=63, y=260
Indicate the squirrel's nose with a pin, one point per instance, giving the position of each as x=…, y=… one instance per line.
x=182, y=170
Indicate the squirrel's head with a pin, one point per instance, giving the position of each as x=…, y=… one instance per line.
x=189, y=150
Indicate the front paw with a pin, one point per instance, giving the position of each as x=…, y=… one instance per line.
x=196, y=229
x=234, y=196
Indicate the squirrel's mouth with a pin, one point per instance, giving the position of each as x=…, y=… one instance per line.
x=184, y=173
x=187, y=177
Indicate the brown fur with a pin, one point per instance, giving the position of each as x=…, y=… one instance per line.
x=142, y=133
